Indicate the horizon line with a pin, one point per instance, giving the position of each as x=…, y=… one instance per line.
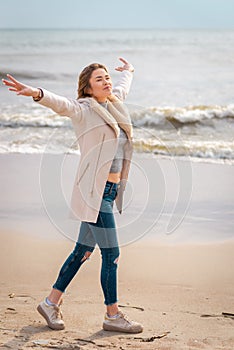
x=116, y=28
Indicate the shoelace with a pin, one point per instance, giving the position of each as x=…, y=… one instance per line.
x=125, y=317
x=57, y=313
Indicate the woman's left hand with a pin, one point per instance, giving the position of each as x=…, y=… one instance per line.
x=126, y=66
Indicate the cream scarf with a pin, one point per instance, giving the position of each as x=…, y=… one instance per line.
x=115, y=115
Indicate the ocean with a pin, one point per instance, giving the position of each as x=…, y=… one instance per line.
x=181, y=101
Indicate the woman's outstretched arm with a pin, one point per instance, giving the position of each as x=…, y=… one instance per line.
x=59, y=104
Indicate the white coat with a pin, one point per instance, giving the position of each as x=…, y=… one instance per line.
x=97, y=131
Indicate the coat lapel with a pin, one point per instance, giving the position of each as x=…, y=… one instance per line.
x=115, y=115
x=121, y=115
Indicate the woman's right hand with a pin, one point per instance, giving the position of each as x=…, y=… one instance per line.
x=19, y=88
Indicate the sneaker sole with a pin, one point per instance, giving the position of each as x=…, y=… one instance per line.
x=123, y=330
x=51, y=325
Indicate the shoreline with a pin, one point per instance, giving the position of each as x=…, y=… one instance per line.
x=184, y=158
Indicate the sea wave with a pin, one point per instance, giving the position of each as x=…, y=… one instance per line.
x=206, y=150
x=150, y=117
x=202, y=132
x=35, y=123
x=33, y=116
x=218, y=152
x=161, y=117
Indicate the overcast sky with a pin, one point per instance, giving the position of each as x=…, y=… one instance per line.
x=117, y=14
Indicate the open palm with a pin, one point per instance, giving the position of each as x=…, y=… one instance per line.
x=18, y=87
x=126, y=66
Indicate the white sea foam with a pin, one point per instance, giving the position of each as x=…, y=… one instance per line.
x=155, y=116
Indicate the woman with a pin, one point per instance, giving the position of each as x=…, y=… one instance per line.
x=104, y=134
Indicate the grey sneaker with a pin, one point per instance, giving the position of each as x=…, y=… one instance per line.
x=121, y=324
x=52, y=314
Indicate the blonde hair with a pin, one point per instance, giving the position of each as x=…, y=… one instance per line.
x=84, y=77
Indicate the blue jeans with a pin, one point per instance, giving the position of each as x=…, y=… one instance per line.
x=103, y=233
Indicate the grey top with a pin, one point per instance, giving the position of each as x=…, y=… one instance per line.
x=117, y=162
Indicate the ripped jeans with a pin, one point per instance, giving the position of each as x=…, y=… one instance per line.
x=103, y=233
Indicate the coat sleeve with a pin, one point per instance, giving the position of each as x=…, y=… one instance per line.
x=122, y=87
x=61, y=105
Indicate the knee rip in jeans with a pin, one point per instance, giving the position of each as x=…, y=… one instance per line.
x=86, y=256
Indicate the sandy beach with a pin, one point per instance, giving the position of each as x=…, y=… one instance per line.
x=179, y=284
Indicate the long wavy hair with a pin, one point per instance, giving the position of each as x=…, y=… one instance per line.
x=84, y=77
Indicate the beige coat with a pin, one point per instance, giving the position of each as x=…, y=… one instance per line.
x=97, y=131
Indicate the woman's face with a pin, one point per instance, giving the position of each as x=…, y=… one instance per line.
x=100, y=85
